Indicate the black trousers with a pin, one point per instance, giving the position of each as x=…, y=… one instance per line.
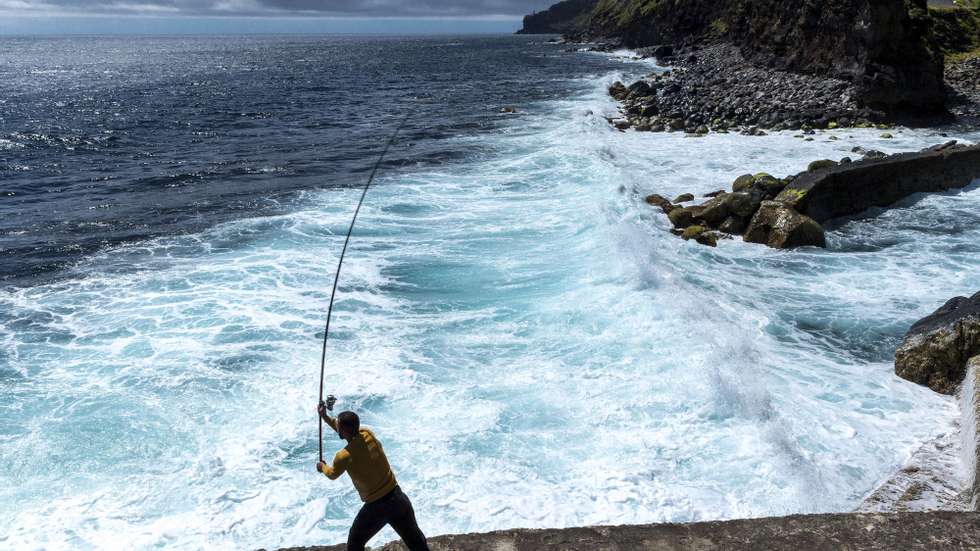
x=394, y=509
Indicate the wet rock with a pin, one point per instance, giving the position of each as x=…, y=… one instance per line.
x=683, y=198
x=684, y=216
x=508, y=109
x=820, y=165
x=639, y=89
x=768, y=184
x=618, y=91
x=660, y=201
x=692, y=232
x=708, y=238
x=936, y=348
x=781, y=227
x=743, y=182
x=734, y=225
x=715, y=193
x=716, y=210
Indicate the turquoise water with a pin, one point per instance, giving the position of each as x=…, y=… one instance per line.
x=523, y=334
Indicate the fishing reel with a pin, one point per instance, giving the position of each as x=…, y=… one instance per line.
x=331, y=400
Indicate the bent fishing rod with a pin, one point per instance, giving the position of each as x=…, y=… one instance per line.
x=340, y=262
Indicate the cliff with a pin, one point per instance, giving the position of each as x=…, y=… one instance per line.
x=570, y=16
x=882, y=46
x=870, y=532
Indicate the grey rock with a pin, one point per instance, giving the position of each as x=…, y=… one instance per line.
x=936, y=348
x=781, y=227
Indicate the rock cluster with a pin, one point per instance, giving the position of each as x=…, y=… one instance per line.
x=750, y=210
x=715, y=89
x=788, y=212
x=936, y=349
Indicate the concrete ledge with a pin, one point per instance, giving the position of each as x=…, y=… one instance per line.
x=829, y=532
x=852, y=188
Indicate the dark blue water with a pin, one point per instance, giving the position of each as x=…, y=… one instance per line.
x=106, y=141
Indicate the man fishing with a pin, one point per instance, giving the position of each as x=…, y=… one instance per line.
x=364, y=460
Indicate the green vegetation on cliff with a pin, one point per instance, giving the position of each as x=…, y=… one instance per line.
x=956, y=29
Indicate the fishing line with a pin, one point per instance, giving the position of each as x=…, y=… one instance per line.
x=340, y=263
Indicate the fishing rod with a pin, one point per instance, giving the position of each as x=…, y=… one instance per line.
x=326, y=332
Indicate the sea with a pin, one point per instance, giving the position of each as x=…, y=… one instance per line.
x=519, y=328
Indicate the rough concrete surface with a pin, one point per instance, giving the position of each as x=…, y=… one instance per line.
x=829, y=532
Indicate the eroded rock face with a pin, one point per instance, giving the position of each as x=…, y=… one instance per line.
x=779, y=226
x=936, y=349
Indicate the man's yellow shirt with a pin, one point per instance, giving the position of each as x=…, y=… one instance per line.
x=364, y=460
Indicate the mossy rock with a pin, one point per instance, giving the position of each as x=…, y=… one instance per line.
x=660, y=201
x=820, y=165
x=832, y=125
x=684, y=216
x=886, y=136
x=692, y=232
x=684, y=197
x=708, y=238
x=791, y=196
x=743, y=182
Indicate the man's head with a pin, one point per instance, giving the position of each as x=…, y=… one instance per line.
x=348, y=425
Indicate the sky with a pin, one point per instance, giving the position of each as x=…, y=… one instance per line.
x=263, y=16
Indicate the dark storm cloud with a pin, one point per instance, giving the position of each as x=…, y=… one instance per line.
x=348, y=8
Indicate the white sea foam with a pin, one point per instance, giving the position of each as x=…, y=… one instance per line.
x=531, y=345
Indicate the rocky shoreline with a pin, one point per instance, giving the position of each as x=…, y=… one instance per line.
x=714, y=88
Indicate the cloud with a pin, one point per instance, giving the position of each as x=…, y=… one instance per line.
x=322, y=8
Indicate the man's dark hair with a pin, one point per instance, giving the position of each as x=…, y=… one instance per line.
x=350, y=421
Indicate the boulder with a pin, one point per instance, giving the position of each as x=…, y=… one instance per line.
x=709, y=238
x=692, y=232
x=743, y=182
x=936, y=348
x=781, y=227
x=820, y=165
x=683, y=198
x=660, y=201
x=684, y=216
x=718, y=209
x=734, y=225
x=618, y=90
x=768, y=184
x=639, y=89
